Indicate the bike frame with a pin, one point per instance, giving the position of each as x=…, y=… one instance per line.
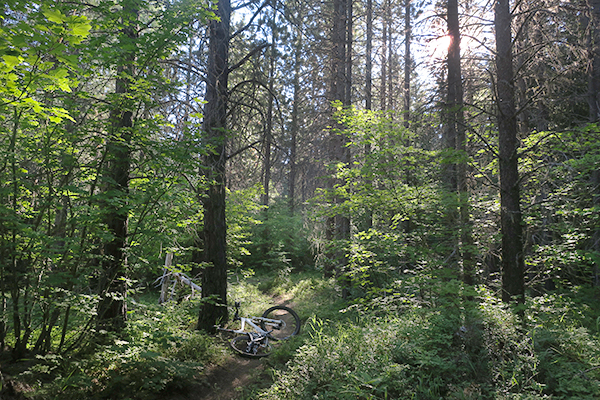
x=252, y=321
x=255, y=332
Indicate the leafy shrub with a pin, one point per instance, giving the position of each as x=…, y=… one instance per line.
x=158, y=351
x=569, y=356
x=336, y=363
x=279, y=240
x=569, y=363
x=456, y=350
x=194, y=347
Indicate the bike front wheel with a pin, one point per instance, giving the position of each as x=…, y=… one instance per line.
x=289, y=325
x=244, y=346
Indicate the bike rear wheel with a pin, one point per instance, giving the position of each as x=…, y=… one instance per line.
x=244, y=346
x=289, y=327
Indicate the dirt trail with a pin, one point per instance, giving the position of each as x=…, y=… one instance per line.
x=229, y=379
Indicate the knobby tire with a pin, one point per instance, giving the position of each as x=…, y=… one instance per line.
x=240, y=344
x=292, y=322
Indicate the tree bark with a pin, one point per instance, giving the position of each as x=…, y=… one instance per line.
x=384, y=60
x=294, y=125
x=268, y=135
x=214, y=276
x=338, y=226
x=112, y=308
x=594, y=61
x=343, y=221
x=349, y=40
x=594, y=106
x=453, y=102
x=407, y=62
x=368, y=57
x=450, y=116
x=513, y=284
x=267, y=143
x=368, y=221
x=457, y=121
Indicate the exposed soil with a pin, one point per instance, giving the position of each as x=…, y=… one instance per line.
x=229, y=380
x=232, y=378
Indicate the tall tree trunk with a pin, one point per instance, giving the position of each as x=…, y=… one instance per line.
x=513, y=267
x=267, y=143
x=268, y=135
x=456, y=103
x=594, y=61
x=338, y=225
x=112, y=309
x=14, y=272
x=368, y=223
x=214, y=276
x=343, y=221
x=349, y=41
x=407, y=62
x=450, y=114
x=453, y=109
x=594, y=106
x=391, y=61
x=339, y=47
x=369, y=57
x=407, y=99
x=384, y=60
x=294, y=125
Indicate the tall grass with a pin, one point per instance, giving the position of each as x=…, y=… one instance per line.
x=395, y=346
x=478, y=350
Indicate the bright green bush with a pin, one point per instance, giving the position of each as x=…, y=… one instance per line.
x=455, y=350
x=159, y=350
x=336, y=363
x=279, y=240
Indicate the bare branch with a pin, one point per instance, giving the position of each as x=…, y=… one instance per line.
x=248, y=56
x=235, y=153
x=242, y=29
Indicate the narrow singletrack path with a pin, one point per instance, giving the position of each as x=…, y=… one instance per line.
x=231, y=378
x=227, y=381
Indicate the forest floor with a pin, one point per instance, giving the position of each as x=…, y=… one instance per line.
x=161, y=356
x=228, y=380
x=234, y=377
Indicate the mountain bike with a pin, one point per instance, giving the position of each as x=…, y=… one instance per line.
x=277, y=323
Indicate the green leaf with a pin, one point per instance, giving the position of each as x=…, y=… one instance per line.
x=54, y=16
x=60, y=114
x=70, y=60
x=19, y=40
x=81, y=28
x=34, y=104
x=11, y=61
x=60, y=77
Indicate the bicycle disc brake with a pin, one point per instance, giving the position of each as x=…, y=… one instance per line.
x=253, y=344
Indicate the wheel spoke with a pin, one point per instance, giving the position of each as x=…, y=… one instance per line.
x=249, y=348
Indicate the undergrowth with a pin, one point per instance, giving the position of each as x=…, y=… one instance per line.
x=158, y=351
x=393, y=346
x=454, y=350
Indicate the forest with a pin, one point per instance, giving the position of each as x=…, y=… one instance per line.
x=418, y=179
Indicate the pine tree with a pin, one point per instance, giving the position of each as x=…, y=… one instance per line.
x=513, y=284
x=214, y=275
